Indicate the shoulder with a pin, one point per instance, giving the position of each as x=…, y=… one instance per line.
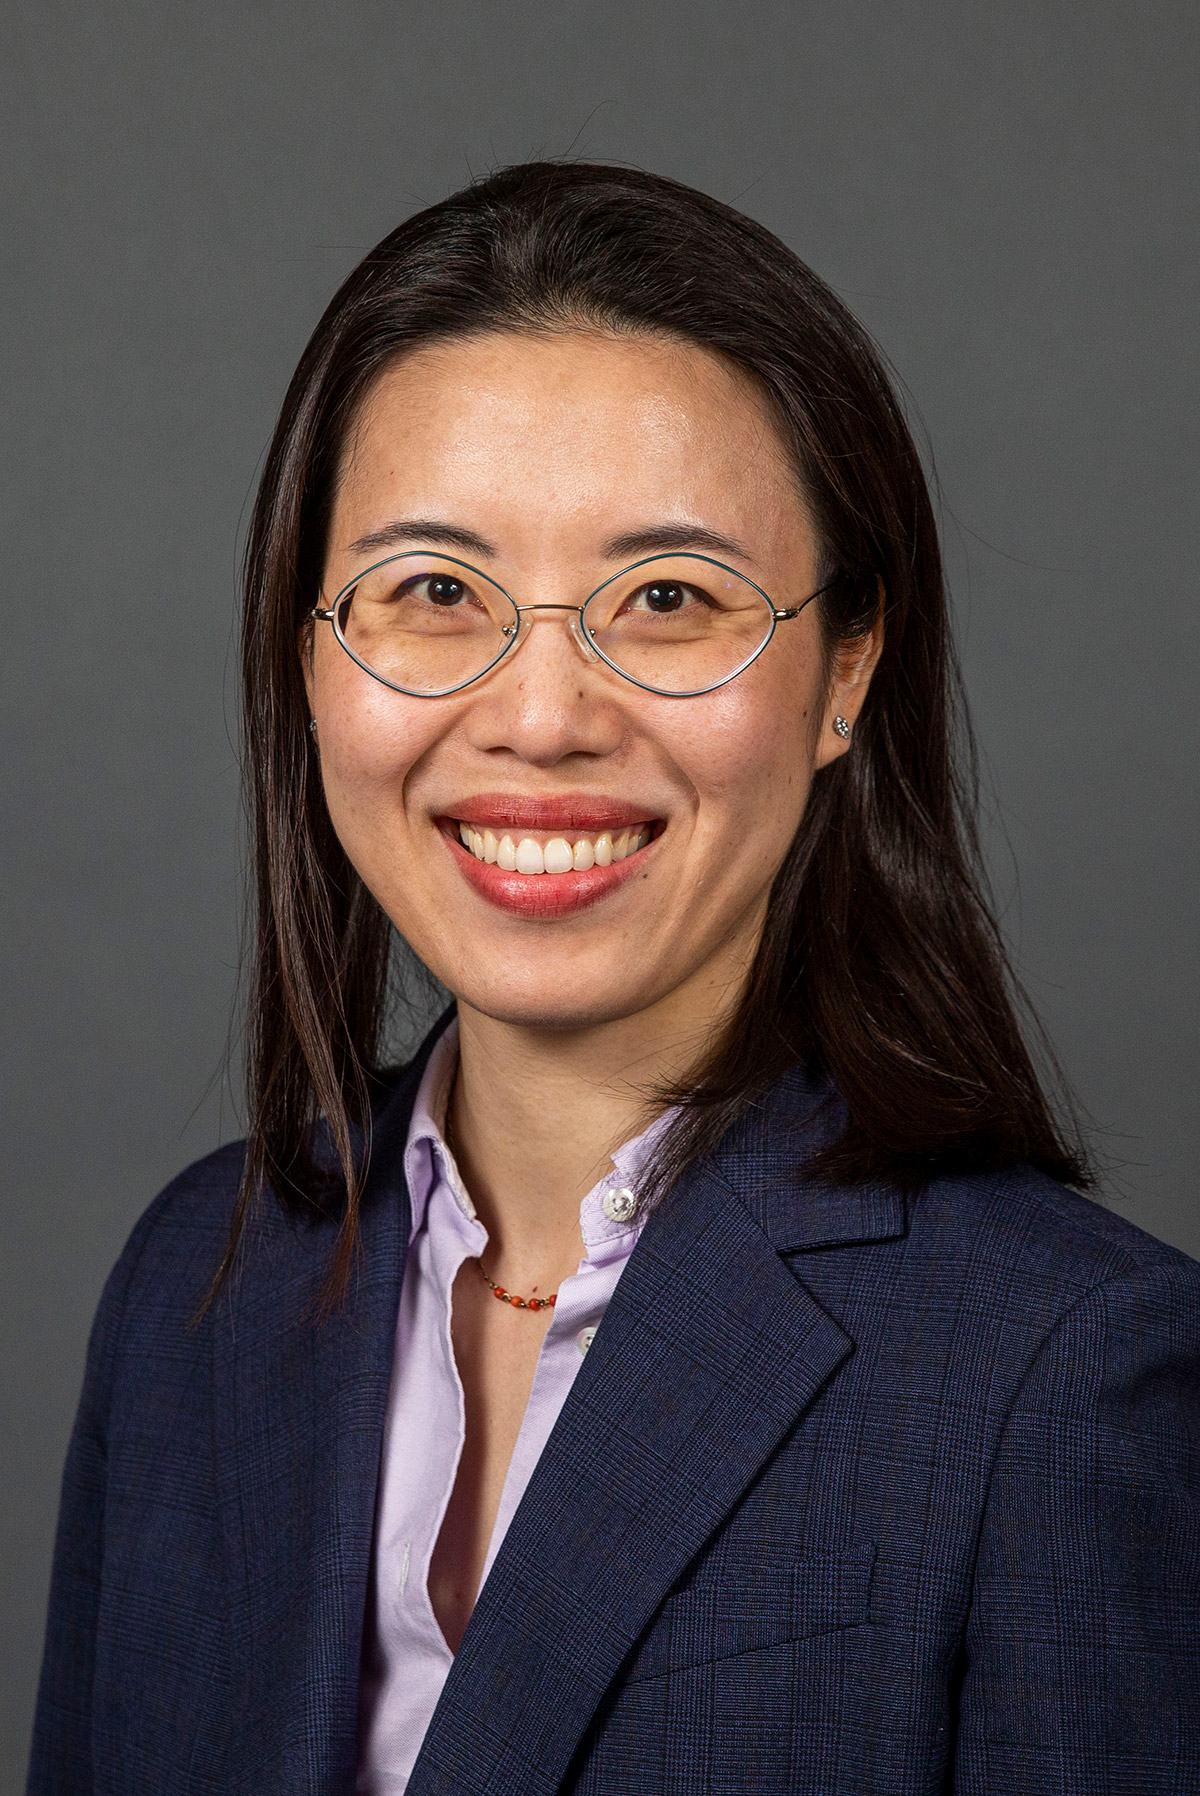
x=972, y=1277
x=155, y=1290
x=998, y=1310
x=1011, y=1278
x=1011, y=1240
x=192, y=1212
x=1039, y=1244
x=177, y=1245
x=174, y=1249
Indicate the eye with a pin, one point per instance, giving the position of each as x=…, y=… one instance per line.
x=663, y=597
x=437, y=589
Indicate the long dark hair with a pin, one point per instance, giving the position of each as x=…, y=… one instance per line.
x=880, y=966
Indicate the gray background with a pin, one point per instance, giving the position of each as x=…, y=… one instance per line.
x=1007, y=196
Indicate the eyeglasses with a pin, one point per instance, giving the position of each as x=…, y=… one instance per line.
x=678, y=625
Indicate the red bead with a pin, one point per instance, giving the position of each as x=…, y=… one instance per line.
x=521, y=1303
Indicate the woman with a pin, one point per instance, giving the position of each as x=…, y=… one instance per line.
x=694, y=1371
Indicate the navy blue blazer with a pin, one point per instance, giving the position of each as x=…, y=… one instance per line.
x=851, y=1495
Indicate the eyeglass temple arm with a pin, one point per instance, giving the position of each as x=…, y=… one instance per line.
x=781, y=617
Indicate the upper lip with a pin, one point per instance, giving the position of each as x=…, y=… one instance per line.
x=570, y=810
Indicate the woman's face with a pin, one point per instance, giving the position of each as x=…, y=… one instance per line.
x=557, y=459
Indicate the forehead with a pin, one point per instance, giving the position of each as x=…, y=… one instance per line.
x=571, y=432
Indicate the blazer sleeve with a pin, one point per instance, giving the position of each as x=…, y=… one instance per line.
x=61, y=1759
x=1082, y=1664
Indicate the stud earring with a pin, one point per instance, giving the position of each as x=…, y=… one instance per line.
x=312, y=728
x=842, y=728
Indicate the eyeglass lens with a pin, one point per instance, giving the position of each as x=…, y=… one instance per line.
x=678, y=624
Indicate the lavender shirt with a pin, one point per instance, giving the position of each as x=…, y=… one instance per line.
x=406, y=1659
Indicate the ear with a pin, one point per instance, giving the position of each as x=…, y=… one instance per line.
x=305, y=644
x=854, y=663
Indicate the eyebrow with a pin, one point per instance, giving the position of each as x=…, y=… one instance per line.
x=422, y=530
x=672, y=539
x=654, y=539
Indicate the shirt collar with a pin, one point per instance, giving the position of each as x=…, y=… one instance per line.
x=427, y=1158
x=629, y=1162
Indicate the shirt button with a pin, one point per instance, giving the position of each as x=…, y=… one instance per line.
x=584, y=1339
x=619, y=1203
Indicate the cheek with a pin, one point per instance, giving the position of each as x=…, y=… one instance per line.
x=747, y=748
x=370, y=737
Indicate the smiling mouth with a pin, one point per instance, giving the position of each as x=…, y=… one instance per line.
x=542, y=852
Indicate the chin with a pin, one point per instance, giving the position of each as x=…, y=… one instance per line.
x=557, y=996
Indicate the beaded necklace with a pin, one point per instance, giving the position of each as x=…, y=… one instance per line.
x=518, y=1303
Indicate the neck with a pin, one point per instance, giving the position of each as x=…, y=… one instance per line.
x=536, y=1112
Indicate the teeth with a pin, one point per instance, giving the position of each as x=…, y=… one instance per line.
x=555, y=856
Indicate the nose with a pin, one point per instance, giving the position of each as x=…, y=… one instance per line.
x=548, y=699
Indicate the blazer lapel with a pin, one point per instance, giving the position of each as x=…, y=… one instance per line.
x=300, y=1406
x=709, y=1352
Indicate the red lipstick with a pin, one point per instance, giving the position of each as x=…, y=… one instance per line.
x=544, y=897
x=510, y=812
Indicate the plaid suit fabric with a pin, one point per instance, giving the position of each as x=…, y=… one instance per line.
x=850, y=1495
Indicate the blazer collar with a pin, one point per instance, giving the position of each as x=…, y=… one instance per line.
x=763, y=1159
x=709, y=1353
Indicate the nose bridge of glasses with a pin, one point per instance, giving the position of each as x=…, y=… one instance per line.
x=571, y=614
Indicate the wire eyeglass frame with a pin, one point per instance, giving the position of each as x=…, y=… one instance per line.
x=513, y=634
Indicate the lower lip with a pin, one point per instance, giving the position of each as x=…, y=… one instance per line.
x=541, y=896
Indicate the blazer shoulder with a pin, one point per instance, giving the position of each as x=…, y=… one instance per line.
x=173, y=1254
x=1012, y=1229
x=175, y=1247
x=200, y=1198
x=163, y=1272
x=1022, y=1222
